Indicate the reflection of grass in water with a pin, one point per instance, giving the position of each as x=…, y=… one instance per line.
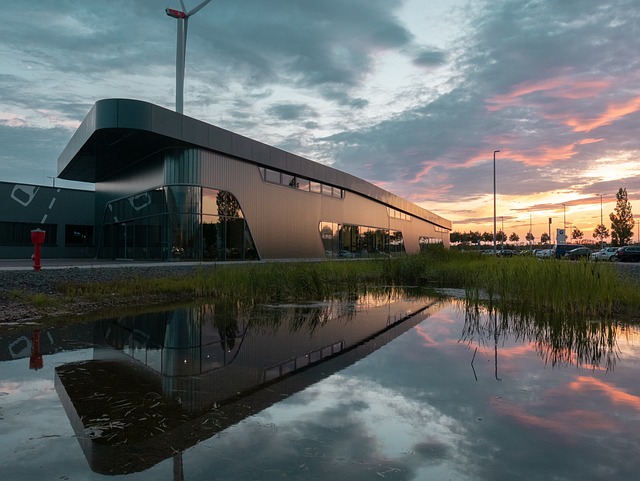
x=560, y=339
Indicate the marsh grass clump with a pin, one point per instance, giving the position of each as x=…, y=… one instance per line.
x=569, y=288
x=434, y=267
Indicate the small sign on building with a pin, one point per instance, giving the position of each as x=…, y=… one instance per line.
x=561, y=236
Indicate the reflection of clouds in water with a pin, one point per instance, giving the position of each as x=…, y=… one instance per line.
x=354, y=426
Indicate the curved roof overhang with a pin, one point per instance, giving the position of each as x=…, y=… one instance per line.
x=119, y=133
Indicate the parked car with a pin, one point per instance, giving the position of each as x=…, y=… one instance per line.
x=606, y=254
x=559, y=250
x=578, y=253
x=628, y=254
x=544, y=253
x=505, y=253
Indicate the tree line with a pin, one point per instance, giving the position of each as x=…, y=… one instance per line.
x=621, y=231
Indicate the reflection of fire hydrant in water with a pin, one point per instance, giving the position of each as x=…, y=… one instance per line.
x=37, y=237
x=35, y=362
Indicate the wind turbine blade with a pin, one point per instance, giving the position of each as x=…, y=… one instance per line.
x=198, y=8
x=184, y=9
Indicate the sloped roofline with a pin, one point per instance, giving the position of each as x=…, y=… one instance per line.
x=117, y=133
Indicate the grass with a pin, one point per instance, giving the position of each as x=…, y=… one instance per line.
x=565, y=288
x=559, y=287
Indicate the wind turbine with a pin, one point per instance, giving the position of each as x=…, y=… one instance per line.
x=182, y=16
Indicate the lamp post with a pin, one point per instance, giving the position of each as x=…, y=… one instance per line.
x=494, y=202
x=564, y=218
x=601, y=238
x=182, y=16
x=502, y=235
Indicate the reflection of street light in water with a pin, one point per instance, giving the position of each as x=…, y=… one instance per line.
x=495, y=337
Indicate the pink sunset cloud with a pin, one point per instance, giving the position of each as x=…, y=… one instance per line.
x=614, y=111
x=616, y=395
x=563, y=87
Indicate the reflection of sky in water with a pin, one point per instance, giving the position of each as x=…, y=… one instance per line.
x=412, y=410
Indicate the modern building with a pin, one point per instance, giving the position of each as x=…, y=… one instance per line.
x=170, y=187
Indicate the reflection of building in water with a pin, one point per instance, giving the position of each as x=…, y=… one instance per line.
x=162, y=382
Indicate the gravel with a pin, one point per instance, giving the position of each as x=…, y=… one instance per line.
x=13, y=309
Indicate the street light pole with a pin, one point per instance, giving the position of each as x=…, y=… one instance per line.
x=494, y=201
x=601, y=230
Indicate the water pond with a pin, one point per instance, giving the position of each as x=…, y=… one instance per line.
x=383, y=386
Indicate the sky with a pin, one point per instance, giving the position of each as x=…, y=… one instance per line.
x=413, y=96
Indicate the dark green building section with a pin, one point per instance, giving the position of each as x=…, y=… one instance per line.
x=66, y=215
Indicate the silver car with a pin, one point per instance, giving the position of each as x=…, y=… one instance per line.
x=606, y=254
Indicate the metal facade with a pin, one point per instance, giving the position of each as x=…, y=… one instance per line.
x=127, y=147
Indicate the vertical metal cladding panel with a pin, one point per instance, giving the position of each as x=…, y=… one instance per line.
x=359, y=210
x=182, y=166
x=414, y=229
x=283, y=221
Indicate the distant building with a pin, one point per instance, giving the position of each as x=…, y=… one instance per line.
x=170, y=187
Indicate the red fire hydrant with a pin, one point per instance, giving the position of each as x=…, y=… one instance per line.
x=37, y=237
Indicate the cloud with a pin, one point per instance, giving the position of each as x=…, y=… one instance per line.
x=430, y=58
x=370, y=87
x=289, y=111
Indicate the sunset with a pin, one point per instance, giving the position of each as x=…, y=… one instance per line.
x=411, y=96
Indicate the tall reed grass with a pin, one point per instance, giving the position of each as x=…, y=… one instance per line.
x=582, y=288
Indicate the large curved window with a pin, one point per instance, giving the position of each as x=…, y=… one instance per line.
x=224, y=230
x=181, y=222
x=347, y=240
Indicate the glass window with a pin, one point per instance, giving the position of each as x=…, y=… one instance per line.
x=329, y=236
x=289, y=180
x=272, y=176
x=315, y=187
x=19, y=233
x=303, y=184
x=78, y=235
x=183, y=199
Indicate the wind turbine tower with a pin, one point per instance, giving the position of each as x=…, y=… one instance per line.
x=182, y=16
